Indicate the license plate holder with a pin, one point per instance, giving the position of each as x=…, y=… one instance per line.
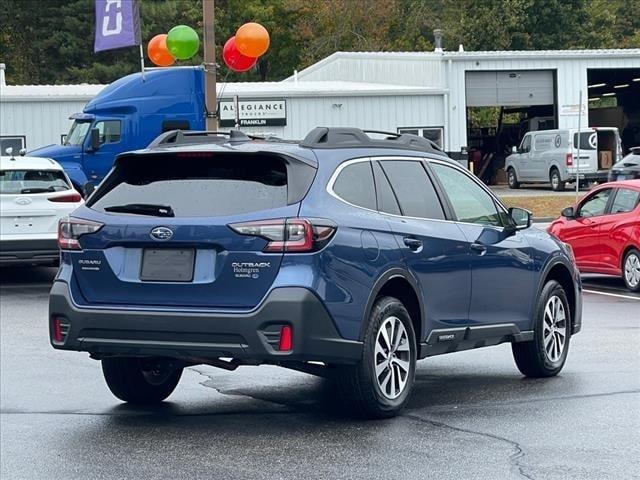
x=167, y=264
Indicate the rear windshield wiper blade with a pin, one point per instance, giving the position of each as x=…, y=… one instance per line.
x=143, y=209
x=38, y=190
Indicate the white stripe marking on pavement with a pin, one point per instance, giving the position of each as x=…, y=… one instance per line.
x=629, y=297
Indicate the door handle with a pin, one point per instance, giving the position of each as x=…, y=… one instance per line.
x=479, y=248
x=412, y=243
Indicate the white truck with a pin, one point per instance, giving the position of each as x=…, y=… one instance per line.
x=552, y=156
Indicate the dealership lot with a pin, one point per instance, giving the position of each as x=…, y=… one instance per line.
x=470, y=412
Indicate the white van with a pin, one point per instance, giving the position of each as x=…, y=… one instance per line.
x=552, y=156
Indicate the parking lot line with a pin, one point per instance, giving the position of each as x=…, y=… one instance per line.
x=611, y=294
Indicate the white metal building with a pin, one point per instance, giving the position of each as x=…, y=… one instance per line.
x=428, y=93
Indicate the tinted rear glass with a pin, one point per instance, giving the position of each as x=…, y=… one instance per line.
x=197, y=187
x=32, y=181
x=414, y=189
x=355, y=185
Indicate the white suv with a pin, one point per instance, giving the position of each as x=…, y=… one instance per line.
x=34, y=194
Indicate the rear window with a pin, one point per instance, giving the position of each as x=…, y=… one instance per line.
x=196, y=187
x=588, y=140
x=32, y=181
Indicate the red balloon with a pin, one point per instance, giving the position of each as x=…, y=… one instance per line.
x=158, y=52
x=234, y=59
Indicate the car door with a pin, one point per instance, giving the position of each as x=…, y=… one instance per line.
x=502, y=278
x=582, y=231
x=434, y=249
x=97, y=163
x=524, y=158
x=615, y=227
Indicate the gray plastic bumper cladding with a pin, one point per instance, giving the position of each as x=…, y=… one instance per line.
x=188, y=334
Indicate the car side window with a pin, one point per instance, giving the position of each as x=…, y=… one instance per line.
x=595, y=205
x=625, y=200
x=387, y=201
x=110, y=131
x=470, y=202
x=355, y=185
x=525, y=147
x=413, y=188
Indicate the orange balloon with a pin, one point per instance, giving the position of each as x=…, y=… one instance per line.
x=158, y=52
x=252, y=39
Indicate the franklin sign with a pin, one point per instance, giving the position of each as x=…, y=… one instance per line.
x=254, y=113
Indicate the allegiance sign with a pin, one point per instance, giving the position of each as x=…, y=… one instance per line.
x=254, y=113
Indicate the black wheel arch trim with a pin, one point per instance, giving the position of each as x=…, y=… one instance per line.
x=375, y=290
x=576, y=321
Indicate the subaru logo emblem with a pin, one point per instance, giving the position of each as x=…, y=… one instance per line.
x=161, y=233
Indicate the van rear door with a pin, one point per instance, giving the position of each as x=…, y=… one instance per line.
x=588, y=158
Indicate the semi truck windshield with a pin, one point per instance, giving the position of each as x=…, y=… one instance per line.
x=77, y=133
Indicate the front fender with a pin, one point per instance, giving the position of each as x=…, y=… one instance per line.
x=76, y=173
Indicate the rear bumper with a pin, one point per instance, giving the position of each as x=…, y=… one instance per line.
x=599, y=176
x=251, y=336
x=29, y=251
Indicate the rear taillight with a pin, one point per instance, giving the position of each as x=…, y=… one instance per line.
x=72, y=197
x=59, y=329
x=295, y=235
x=285, y=344
x=569, y=159
x=71, y=229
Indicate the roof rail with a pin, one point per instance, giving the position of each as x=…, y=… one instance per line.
x=184, y=137
x=323, y=137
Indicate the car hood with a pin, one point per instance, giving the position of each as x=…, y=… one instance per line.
x=55, y=151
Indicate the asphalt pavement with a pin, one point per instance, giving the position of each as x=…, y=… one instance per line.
x=472, y=415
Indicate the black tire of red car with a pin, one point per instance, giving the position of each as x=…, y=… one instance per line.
x=532, y=358
x=140, y=380
x=627, y=262
x=359, y=385
x=557, y=185
x=512, y=179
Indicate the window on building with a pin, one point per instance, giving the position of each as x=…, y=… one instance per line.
x=16, y=142
x=435, y=134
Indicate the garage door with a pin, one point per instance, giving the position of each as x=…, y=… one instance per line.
x=509, y=88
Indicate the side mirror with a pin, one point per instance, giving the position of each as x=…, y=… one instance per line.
x=568, y=213
x=521, y=217
x=514, y=149
x=87, y=189
x=95, y=139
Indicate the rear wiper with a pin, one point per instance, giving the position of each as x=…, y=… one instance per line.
x=38, y=190
x=143, y=209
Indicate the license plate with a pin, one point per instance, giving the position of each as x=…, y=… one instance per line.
x=167, y=265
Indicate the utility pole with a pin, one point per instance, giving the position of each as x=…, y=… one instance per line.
x=210, y=64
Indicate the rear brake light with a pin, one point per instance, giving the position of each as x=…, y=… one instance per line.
x=71, y=229
x=569, y=159
x=59, y=329
x=286, y=339
x=72, y=197
x=294, y=235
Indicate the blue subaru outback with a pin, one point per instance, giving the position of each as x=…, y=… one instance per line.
x=350, y=254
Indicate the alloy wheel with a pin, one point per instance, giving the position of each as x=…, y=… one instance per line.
x=392, y=357
x=632, y=270
x=554, y=328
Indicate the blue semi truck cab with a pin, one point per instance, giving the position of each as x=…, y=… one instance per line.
x=127, y=115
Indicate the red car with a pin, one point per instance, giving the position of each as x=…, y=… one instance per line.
x=604, y=231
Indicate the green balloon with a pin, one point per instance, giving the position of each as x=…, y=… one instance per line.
x=183, y=42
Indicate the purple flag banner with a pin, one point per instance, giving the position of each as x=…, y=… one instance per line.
x=117, y=24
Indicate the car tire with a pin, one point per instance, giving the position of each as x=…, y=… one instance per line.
x=545, y=355
x=631, y=270
x=512, y=179
x=380, y=384
x=141, y=380
x=557, y=185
